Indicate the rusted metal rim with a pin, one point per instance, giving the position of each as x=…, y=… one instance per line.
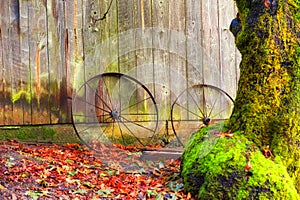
x=198, y=108
x=104, y=105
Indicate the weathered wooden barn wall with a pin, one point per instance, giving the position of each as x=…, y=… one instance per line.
x=48, y=48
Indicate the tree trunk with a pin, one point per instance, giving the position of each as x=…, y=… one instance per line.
x=267, y=106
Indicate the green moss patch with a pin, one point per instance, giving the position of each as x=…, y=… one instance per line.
x=214, y=168
x=50, y=134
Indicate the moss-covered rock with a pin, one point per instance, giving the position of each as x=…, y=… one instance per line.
x=213, y=167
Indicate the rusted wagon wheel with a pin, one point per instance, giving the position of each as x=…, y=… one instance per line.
x=114, y=108
x=199, y=106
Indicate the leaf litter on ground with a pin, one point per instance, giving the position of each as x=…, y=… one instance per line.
x=72, y=171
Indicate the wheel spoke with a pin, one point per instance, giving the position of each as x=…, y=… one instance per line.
x=121, y=132
x=119, y=92
x=208, y=101
x=136, y=104
x=137, y=124
x=95, y=91
x=218, y=113
x=212, y=107
x=102, y=133
x=132, y=133
x=221, y=119
x=204, y=103
x=113, y=127
x=142, y=114
x=106, y=89
x=105, y=101
x=196, y=103
x=89, y=127
x=93, y=105
x=188, y=110
x=105, y=115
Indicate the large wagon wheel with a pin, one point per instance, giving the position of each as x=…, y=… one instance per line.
x=114, y=108
x=198, y=106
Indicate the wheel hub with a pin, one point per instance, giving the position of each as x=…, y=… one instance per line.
x=206, y=121
x=115, y=114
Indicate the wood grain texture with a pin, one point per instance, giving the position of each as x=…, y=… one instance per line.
x=49, y=48
x=160, y=13
x=2, y=65
x=7, y=62
x=178, y=47
x=38, y=62
x=126, y=43
x=25, y=70
x=56, y=58
x=194, y=48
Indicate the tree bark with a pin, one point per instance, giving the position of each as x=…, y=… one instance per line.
x=267, y=106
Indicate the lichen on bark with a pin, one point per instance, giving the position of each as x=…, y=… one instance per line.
x=268, y=97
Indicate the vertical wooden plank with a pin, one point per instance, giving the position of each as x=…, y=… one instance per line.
x=79, y=49
x=15, y=62
x=38, y=62
x=110, y=30
x=205, y=39
x=178, y=58
x=25, y=63
x=100, y=37
x=74, y=25
x=70, y=10
x=56, y=58
x=143, y=37
x=178, y=52
x=101, y=33
x=210, y=43
x=42, y=88
x=100, y=40
x=7, y=61
x=238, y=59
x=195, y=47
x=91, y=55
x=98, y=32
x=74, y=51
x=227, y=12
x=194, y=50
x=1, y=81
x=144, y=56
x=126, y=42
x=160, y=13
x=2, y=69
x=91, y=37
x=142, y=17
x=78, y=39
x=126, y=46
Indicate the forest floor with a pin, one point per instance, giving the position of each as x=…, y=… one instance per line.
x=72, y=171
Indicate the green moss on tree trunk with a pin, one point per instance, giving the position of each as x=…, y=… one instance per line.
x=266, y=114
x=268, y=97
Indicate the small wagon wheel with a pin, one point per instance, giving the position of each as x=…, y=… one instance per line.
x=114, y=108
x=198, y=106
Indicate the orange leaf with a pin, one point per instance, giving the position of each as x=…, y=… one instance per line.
x=248, y=166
